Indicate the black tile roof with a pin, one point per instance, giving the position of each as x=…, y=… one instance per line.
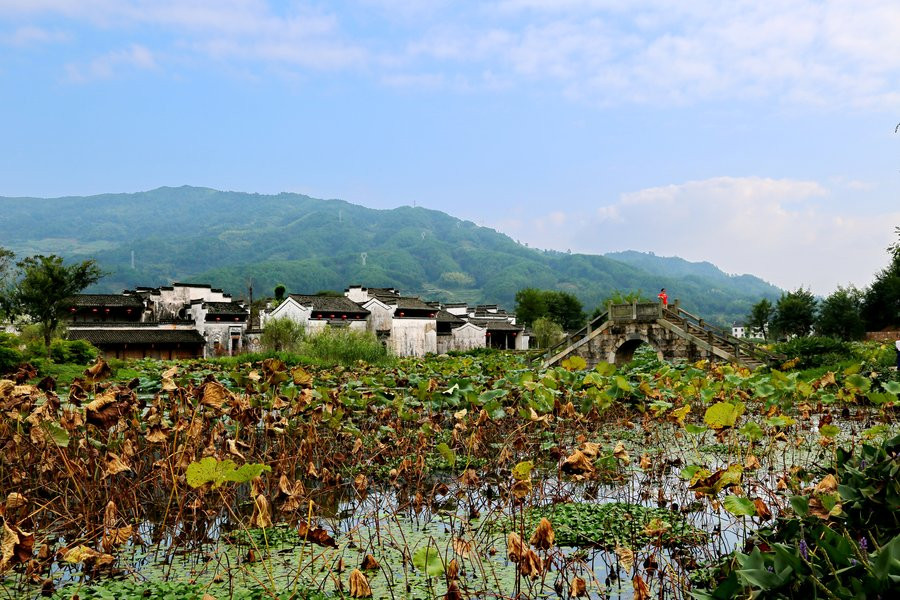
x=329, y=304
x=409, y=303
x=112, y=337
x=443, y=316
x=225, y=308
x=106, y=300
x=495, y=325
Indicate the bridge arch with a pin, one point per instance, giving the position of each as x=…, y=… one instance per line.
x=623, y=351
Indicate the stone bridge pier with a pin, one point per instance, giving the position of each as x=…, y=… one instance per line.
x=619, y=341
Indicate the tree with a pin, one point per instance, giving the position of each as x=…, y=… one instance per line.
x=6, y=273
x=45, y=287
x=880, y=307
x=282, y=335
x=760, y=315
x=280, y=289
x=566, y=309
x=547, y=332
x=840, y=316
x=531, y=305
x=795, y=314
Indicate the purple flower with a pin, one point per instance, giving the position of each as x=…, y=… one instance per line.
x=863, y=544
x=804, y=550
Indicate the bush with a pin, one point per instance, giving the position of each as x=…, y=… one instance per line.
x=78, y=352
x=815, y=351
x=345, y=347
x=282, y=335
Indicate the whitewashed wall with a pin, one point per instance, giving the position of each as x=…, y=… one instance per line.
x=413, y=337
x=380, y=315
x=468, y=337
x=522, y=341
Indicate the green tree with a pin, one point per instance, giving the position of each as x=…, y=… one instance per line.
x=282, y=335
x=881, y=303
x=760, y=315
x=45, y=287
x=840, y=316
x=566, y=309
x=6, y=273
x=546, y=332
x=795, y=314
x=280, y=289
x=531, y=305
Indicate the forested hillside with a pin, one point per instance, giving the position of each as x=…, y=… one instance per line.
x=231, y=238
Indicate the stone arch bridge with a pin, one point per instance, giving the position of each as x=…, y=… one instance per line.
x=674, y=333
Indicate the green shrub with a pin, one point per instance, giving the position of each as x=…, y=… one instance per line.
x=282, y=335
x=345, y=347
x=75, y=351
x=815, y=351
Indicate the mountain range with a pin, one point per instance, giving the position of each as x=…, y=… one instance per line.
x=233, y=239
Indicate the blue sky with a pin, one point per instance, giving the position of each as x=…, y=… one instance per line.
x=756, y=135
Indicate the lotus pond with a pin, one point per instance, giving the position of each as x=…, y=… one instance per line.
x=471, y=476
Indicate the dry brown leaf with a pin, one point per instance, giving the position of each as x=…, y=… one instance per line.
x=15, y=500
x=115, y=465
x=453, y=592
x=452, y=569
x=626, y=557
x=231, y=446
x=543, y=535
x=515, y=548
x=98, y=371
x=156, y=435
x=578, y=464
x=359, y=585
x=645, y=461
x=828, y=485
x=577, y=588
x=620, y=453
x=762, y=511
x=8, y=541
x=590, y=449
x=641, y=591
x=214, y=394
x=361, y=483
x=461, y=547
x=262, y=516
x=103, y=411
x=751, y=462
x=531, y=565
x=369, y=563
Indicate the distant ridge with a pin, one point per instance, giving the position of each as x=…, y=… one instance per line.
x=229, y=238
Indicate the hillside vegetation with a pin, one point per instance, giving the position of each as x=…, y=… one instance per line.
x=227, y=238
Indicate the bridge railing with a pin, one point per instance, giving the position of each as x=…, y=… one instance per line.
x=574, y=337
x=636, y=311
x=717, y=336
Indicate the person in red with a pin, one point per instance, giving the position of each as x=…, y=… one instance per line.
x=663, y=297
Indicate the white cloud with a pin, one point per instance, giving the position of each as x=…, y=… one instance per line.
x=32, y=36
x=109, y=65
x=777, y=229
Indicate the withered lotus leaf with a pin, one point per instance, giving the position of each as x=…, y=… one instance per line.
x=453, y=569
x=156, y=435
x=762, y=511
x=531, y=564
x=828, y=485
x=577, y=588
x=214, y=394
x=515, y=547
x=453, y=592
x=6, y=388
x=15, y=500
x=359, y=585
x=262, y=517
x=461, y=547
x=578, y=464
x=645, y=461
x=626, y=557
x=620, y=453
x=8, y=541
x=103, y=411
x=543, y=535
x=98, y=371
x=641, y=591
x=315, y=535
x=590, y=449
x=114, y=465
x=369, y=563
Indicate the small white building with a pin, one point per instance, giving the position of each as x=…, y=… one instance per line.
x=315, y=312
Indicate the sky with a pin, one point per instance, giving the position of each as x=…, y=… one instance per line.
x=756, y=135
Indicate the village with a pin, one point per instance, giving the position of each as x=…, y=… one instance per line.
x=191, y=320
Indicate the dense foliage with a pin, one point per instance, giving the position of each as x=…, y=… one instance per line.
x=562, y=308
